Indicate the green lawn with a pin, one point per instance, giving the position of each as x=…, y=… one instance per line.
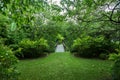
x=64, y=66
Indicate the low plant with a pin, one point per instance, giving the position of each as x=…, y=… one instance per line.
x=115, y=56
x=8, y=60
x=88, y=46
x=103, y=56
x=32, y=49
x=116, y=66
x=116, y=70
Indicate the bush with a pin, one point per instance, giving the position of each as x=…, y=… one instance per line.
x=32, y=49
x=49, y=32
x=91, y=47
x=116, y=67
x=116, y=70
x=7, y=64
x=115, y=56
x=103, y=56
x=60, y=38
x=72, y=32
x=3, y=25
x=14, y=46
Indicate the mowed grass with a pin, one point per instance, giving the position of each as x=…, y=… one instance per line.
x=64, y=66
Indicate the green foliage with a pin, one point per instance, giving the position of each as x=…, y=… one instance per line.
x=49, y=32
x=13, y=26
x=115, y=56
x=116, y=66
x=32, y=49
x=3, y=25
x=60, y=38
x=35, y=19
x=116, y=70
x=14, y=37
x=2, y=41
x=72, y=32
x=7, y=64
x=103, y=56
x=88, y=46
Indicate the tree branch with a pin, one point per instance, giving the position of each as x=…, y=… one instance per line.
x=111, y=16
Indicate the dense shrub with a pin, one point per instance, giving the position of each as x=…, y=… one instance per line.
x=49, y=32
x=7, y=64
x=71, y=33
x=116, y=70
x=32, y=49
x=14, y=47
x=3, y=25
x=60, y=38
x=103, y=56
x=14, y=37
x=91, y=46
x=115, y=56
x=116, y=67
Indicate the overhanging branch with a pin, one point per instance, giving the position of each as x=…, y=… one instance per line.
x=111, y=16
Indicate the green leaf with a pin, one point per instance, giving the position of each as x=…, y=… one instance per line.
x=13, y=26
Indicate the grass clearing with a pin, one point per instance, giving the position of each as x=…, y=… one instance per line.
x=64, y=66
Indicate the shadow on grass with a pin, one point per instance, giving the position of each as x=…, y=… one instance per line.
x=37, y=57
